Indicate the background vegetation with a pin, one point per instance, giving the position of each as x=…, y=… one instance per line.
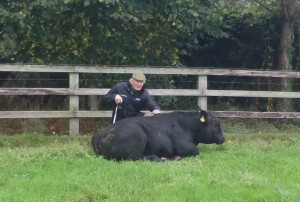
x=248, y=34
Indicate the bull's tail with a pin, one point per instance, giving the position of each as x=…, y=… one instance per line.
x=95, y=144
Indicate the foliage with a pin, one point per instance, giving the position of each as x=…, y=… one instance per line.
x=253, y=34
x=104, y=31
x=34, y=126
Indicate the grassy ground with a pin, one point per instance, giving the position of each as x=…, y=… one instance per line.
x=260, y=166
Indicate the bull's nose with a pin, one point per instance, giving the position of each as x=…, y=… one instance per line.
x=221, y=140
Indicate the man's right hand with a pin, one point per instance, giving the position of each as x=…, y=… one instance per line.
x=156, y=111
x=118, y=99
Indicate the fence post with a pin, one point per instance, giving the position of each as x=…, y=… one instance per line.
x=73, y=103
x=202, y=86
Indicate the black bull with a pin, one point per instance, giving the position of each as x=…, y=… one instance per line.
x=168, y=135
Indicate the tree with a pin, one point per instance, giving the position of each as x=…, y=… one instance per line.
x=288, y=12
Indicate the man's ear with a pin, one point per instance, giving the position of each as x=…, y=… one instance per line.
x=203, y=116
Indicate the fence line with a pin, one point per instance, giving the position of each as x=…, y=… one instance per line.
x=74, y=91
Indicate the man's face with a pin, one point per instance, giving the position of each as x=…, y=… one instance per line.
x=137, y=84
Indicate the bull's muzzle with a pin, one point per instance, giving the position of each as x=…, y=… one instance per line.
x=220, y=139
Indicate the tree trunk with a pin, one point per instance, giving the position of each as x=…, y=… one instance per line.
x=288, y=8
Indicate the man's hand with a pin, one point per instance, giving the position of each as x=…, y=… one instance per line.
x=156, y=111
x=118, y=99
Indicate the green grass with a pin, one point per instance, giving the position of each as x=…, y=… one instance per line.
x=248, y=167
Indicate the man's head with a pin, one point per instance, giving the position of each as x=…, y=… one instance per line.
x=137, y=80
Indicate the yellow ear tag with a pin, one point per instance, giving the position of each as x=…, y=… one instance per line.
x=202, y=119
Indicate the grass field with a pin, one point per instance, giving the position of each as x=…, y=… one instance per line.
x=248, y=167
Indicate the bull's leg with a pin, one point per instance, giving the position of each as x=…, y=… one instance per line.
x=184, y=149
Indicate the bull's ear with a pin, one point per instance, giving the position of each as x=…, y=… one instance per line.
x=198, y=109
x=203, y=116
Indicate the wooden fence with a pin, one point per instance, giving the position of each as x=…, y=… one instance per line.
x=74, y=90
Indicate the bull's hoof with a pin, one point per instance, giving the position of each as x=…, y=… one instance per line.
x=163, y=159
x=153, y=158
x=176, y=158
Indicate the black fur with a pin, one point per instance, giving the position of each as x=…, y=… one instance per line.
x=163, y=136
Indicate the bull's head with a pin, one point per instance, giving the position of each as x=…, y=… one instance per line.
x=211, y=130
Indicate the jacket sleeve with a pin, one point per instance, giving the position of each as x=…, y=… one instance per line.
x=109, y=98
x=150, y=104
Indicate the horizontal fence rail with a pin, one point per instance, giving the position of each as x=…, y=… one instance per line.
x=74, y=91
x=97, y=114
x=147, y=70
x=154, y=92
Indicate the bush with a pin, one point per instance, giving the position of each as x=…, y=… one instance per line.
x=33, y=126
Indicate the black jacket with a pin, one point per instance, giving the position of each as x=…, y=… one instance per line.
x=133, y=101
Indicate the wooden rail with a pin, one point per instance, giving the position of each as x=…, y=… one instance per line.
x=74, y=91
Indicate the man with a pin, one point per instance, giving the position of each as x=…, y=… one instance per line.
x=130, y=98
